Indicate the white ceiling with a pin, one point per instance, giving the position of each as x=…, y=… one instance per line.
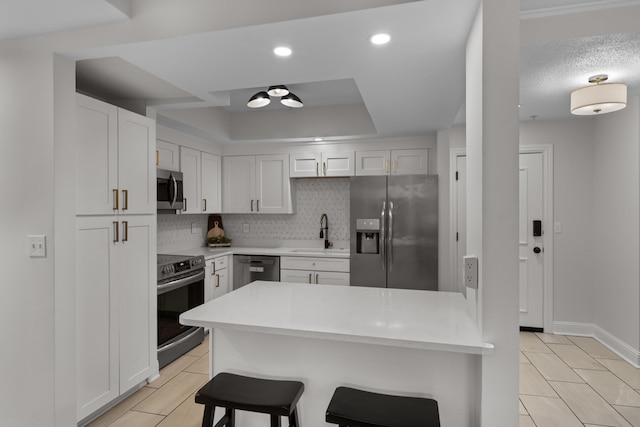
x=413, y=86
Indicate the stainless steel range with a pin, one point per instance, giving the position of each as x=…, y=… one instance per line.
x=180, y=288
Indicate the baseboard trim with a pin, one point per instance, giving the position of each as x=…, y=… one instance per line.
x=607, y=339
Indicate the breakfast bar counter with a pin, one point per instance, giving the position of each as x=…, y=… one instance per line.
x=407, y=342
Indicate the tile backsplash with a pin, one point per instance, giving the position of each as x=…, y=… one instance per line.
x=313, y=198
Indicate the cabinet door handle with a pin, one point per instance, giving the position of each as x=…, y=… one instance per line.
x=115, y=199
x=184, y=200
x=125, y=196
x=204, y=205
x=217, y=280
x=251, y=205
x=258, y=205
x=386, y=166
x=213, y=268
x=116, y=236
x=324, y=168
x=317, y=166
x=157, y=158
x=309, y=278
x=316, y=278
x=395, y=166
x=125, y=231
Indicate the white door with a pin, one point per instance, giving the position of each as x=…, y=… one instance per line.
x=239, y=184
x=531, y=281
x=370, y=163
x=273, y=194
x=97, y=350
x=409, y=162
x=190, y=167
x=304, y=165
x=531, y=246
x=338, y=164
x=97, y=156
x=136, y=163
x=211, y=183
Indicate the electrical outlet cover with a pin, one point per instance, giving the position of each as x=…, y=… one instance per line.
x=471, y=271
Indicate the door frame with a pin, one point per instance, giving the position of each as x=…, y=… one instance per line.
x=547, y=186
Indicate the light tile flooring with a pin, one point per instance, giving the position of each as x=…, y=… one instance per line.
x=564, y=382
x=575, y=381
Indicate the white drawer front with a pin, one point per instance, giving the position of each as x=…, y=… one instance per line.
x=316, y=264
x=219, y=263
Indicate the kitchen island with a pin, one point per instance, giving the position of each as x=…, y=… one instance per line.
x=400, y=341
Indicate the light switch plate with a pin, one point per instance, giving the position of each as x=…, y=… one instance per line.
x=38, y=246
x=471, y=271
x=245, y=227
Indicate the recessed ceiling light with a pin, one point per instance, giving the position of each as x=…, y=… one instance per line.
x=380, y=38
x=282, y=51
x=318, y=139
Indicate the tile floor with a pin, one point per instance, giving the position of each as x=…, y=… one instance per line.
x=564, y=382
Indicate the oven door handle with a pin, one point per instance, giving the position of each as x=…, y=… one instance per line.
x=180, y=283
x=166, y=347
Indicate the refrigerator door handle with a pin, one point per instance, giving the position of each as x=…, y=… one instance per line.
x=382, y=237
x=390, y=239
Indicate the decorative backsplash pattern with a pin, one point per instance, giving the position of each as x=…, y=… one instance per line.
x=313, y=198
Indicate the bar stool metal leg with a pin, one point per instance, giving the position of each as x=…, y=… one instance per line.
x=207, y=419
x=293, y=419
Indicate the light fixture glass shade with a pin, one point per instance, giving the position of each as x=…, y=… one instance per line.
x=599, y=99
x=258, y=100
x=278, y=90
x=292, y=101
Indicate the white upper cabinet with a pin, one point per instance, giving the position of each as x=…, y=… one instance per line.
x=202, y=176
x=338, y=163
x=211, y=183
x=257, y=184
x=167, y=155
x=392, y=162
x=115, y=160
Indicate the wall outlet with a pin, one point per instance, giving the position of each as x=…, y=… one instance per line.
x=37, y=246
x=245, y=227
x=471, y=271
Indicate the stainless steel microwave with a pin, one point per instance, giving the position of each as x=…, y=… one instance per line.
x=169, y=189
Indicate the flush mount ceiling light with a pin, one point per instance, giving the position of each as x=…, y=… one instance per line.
x=598, y=98
x=287, y=98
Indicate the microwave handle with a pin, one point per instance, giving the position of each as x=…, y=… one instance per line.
x=173, y=194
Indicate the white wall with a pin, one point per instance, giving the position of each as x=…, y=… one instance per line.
x=616, y=224
x=492, y=199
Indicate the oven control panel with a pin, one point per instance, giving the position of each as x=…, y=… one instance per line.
x=173, y=267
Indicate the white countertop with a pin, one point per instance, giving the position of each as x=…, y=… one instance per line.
x=395, y=317
x=279, y=251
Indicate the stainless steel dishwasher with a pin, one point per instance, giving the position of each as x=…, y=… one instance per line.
x=248, y=268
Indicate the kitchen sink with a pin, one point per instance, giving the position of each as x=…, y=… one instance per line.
x=322, y=251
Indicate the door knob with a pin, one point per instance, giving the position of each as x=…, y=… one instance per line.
x=537, y=250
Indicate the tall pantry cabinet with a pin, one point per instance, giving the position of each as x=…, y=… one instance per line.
x=116, y=253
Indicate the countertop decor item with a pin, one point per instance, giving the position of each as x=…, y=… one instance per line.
x=215, y=235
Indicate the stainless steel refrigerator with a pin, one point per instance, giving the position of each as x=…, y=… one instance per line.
x=394, y=231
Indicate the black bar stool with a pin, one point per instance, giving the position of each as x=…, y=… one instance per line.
x=356, y=408
x=230, y=391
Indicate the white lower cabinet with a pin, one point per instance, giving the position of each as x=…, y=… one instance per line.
x=115, y=307
x=217, y=277
x=315, y=271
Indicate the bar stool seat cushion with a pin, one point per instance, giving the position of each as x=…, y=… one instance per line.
x=357, y=408
x=275, y=397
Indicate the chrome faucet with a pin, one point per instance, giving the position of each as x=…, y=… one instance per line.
x=324, y=230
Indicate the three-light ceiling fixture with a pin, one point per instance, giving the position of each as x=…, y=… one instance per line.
x=599, y=98
x=263, y=98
